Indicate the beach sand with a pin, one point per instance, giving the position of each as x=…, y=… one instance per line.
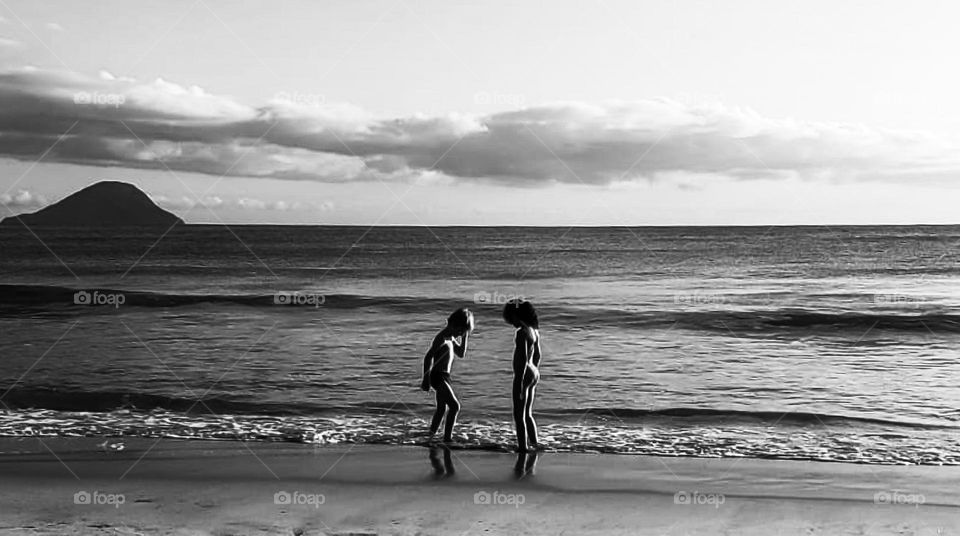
x=74, y=486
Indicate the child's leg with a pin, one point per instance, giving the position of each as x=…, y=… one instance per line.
x=518, y=417
x=445, y=390
x=437, y=415
x=531, y=425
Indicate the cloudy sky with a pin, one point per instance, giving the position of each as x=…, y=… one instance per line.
x=537, y=113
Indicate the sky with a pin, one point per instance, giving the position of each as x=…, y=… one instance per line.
x=487, y=113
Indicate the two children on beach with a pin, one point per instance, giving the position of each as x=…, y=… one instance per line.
x=452, y=341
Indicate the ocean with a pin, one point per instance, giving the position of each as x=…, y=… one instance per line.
x=813, y=343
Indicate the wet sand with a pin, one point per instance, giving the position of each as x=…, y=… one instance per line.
x=82, y=486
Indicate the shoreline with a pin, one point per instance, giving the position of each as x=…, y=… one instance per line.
x=224, y=487
x=669, y=437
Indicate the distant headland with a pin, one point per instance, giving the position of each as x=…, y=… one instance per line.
x=103, y=204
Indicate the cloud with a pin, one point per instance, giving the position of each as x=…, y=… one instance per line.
x=53, y=26
x=8, y=42
x=118, y=121
x=22, y=199
x=243, y=203
x=283, y=206
x=186, y=202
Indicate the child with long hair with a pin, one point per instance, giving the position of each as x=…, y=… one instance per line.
x=450, y=341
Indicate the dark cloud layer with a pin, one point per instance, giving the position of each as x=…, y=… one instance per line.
x=112, y=121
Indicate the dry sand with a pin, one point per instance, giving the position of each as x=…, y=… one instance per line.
x=189, y=487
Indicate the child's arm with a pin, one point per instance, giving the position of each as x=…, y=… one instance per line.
x=460, y=350
x=428, y=364
x=536, y=351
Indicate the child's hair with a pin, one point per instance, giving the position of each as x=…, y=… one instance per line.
x=461, y=318
x=517, y=310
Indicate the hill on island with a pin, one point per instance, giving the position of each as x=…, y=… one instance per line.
x=104, y=204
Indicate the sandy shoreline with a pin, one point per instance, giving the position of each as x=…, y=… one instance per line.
x=72, y=486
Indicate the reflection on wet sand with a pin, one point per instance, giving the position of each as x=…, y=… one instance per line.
x=444, y=469
x=526, y=464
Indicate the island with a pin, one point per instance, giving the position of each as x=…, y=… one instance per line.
x=103, y=204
